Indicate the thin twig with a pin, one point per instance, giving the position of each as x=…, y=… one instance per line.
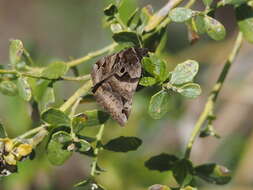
x=213, y=95
x=96, y=151
x=83, y=90
x=91, y=55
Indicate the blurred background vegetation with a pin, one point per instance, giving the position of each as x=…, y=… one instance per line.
x=63, y=29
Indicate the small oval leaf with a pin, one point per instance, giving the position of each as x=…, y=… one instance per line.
x=159, y=105
x=110, y=10
x=24, y=89
x=162, y=162
x=180, y=14
x=126, y=37
x=55, y=117
x=8, y=88
x=214, y=29
x=184, y=72
x=56, y=153
x=213, y=173
x=155, y=66
x=147, y=81
x=190, y=90
x=55, y=70
x=123, y=144
x=16, y=51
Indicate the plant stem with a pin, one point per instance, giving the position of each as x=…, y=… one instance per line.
x=91, y=55
x=31, y=132
x=80, y=78
x=96, y=151
x=83, y=90
x=208, y=109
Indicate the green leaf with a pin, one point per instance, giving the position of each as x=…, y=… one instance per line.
x=234, y=2
x=147, y=81
x=159, y=187
x=55, y=70
x=145, y=16
x=24, y=89
x=184, y=72
x=214, y=173
x=162, y=162
x=199, y=25
x=155, y=66
x=116, y=28
x=110, y=10
x=8, y=88
x=180, y=14
x=183, y=172
x=89, y=119
x=207, y=2
x=55, y=117
x=214, y=28
x=190, y=90
x=134, y=20
x=43, y=93
x=82, y=146
x=126, y=37
x=47, y=99
x=123, y=144
x=244, y=15
x=3, y=133
x=159, y=105
x=189, y=188
x=16, y=51
x=56, y=153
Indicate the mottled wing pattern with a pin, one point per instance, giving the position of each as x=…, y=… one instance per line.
x=115, y=80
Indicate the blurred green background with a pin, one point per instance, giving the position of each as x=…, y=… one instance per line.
x=64, y=29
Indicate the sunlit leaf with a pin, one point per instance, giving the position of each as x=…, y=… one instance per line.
x=24, y=89
x=8, y=88
x=159, y=105
x=56, y=153
x=184, y=72
x=16, y=51
x=214, y=28
x=198, y=23
x=55, y=117
x=147, y=81
x=190, y=90
x=155, y=66
x=55, y=70
x=180, y=14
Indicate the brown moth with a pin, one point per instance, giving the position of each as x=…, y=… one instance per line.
x=115, y=79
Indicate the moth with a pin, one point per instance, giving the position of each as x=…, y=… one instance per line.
x=115, y=79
